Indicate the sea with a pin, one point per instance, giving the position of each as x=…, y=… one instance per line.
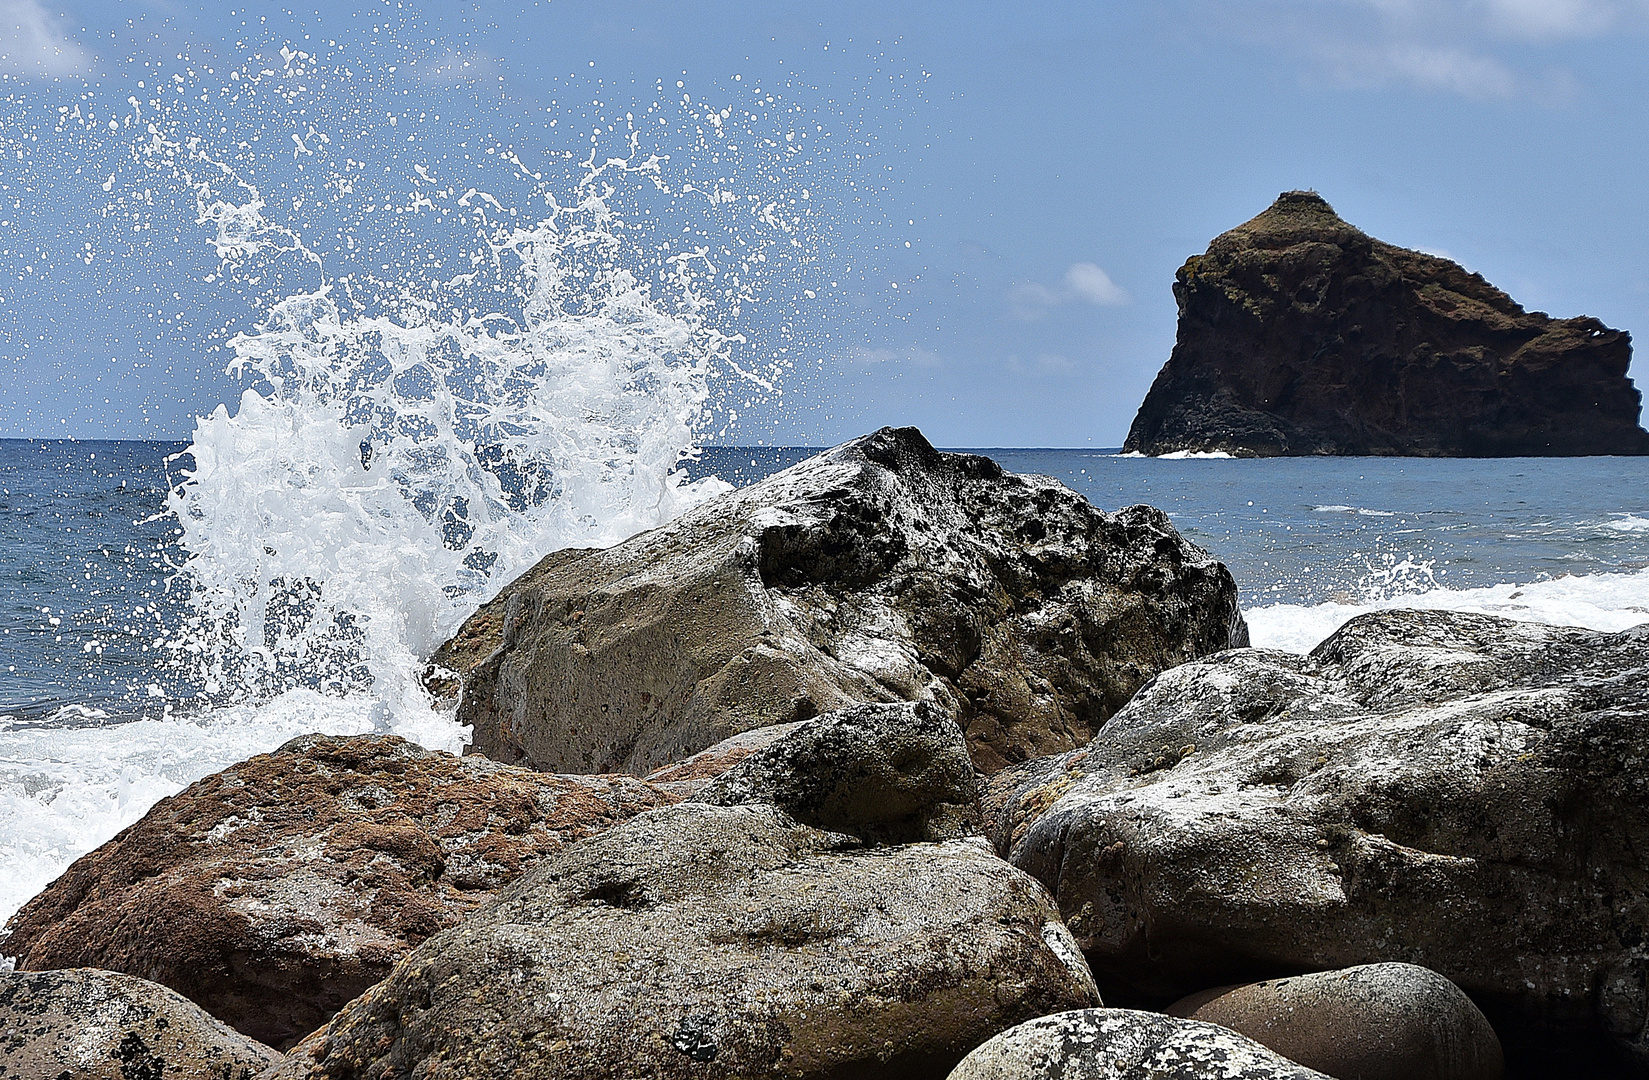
x=106, y=704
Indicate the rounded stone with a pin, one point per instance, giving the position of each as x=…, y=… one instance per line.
x=1374, y=1022
x=1122, y=1044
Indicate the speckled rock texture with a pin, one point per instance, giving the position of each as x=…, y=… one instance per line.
x=84, y=1024
x=1121, y=1044
x=1300, y=334
x=719, y=942
x=1374, y=1022
x=706, y=765
x=275, y=891
x=879, y=571
x=1458, y=791
x=893, y=773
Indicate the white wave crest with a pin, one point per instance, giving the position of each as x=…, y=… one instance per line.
x=1608, y=601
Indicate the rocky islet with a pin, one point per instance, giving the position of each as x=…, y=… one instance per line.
x=1300, y=334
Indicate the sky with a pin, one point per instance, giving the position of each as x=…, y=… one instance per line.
x=990, y=200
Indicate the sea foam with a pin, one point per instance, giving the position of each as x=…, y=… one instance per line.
x=1604, y=601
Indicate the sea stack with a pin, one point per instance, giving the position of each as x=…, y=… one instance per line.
x=1301, y=334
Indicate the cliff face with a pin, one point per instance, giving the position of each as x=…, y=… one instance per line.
x=1300, y=334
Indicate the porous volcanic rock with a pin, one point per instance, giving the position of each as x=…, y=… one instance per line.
x=1122, y=1044
x=1374, y=1022
x=1300, y=334
x=719, y=942
x=1457, y=791
x=893, y=773
x=880, y=571
x=706, y=765
x=273, y=892
x=100, y=1025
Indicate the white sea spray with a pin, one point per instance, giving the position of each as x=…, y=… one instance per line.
x=452, y=361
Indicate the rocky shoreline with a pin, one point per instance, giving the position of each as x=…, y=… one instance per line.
x=895, y=765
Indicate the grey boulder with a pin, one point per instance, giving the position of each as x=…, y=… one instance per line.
x=879, y=571
x=1374, y=1022
x=1122, y=1044
x=100, y=1025
x=887, y=773
x=1456, y=791
x=708, y=942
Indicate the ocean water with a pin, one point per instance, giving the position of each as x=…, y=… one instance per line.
x=109, y=691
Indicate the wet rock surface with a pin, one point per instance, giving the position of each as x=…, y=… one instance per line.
x=277, y=890
x=1300, y=334
x=1375, y=1022
x=706, y=942
x=893, y=773
x=100, y=1025
x=1456, y=791
x=1122, y=1044
x=879, y=571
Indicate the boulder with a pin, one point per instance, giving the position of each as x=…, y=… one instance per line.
x=101, y=1025
x=879, y=571
x=711, y=942
x=1374, y=1022
x=1456, y=791
x=1300, y=334
x=275, y=891
x=1122, y=1044
x=892, y=773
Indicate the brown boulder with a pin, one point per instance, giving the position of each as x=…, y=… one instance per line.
x=101, y=1025
x=879, y=571
x=1375, y=1022
x=1300, y=334
x=275, y=891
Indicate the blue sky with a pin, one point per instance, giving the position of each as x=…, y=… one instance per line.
x=1048, y=165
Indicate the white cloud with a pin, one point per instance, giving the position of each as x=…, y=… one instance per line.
x=915, y=356
x=33, y=43
x=1539, y=19
x=1533, y=20
x=457, y=68
x=1094, y=285
x=1480, y=78
x=1084, y=281
x=1050, y=364
x=1484, y=50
